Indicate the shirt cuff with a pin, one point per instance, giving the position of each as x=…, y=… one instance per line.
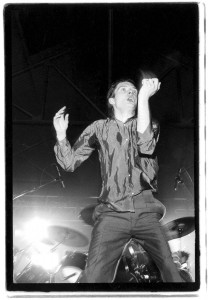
x=62, y=142
x=146, y=135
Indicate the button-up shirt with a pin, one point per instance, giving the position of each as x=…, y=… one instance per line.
x=128, y=163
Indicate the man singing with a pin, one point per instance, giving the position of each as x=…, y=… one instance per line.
x=126, y=208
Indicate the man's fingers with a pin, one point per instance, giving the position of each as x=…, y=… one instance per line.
x=155, y=82
x=66, y=117
x=152, y=85
x=150, y=81
x=60, y=112
x=145, y=81
x=62, y=109
x=57, y=116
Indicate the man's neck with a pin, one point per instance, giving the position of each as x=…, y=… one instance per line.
x=123, y=117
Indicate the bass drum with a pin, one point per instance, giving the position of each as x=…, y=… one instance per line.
x=71, y=267
x=137, y=266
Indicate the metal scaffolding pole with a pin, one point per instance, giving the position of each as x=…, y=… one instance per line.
x=25, y=51
x=110, y=45
x=45, y=87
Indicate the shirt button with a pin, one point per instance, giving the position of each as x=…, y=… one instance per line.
x=129, y=175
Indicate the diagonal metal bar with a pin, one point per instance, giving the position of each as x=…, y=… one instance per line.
x=47, y=122
x=78, y=90
x=23, y=110
x=32, y=146
x=40, y=63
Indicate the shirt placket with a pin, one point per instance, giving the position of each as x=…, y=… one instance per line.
x=128, y=154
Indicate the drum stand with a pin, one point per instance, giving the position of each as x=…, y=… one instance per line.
x=52, y=274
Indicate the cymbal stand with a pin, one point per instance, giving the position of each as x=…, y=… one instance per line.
x=37, y=188
x=51, y=274
x=180, y=231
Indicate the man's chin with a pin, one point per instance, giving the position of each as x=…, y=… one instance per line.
x=131, y=104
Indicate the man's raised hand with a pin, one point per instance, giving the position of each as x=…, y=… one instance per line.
x=149, y=87
x=60, y=123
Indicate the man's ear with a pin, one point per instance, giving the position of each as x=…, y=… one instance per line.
x=111, y=101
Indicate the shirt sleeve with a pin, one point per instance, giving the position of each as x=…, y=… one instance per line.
x=69, y=158
x=147, y=141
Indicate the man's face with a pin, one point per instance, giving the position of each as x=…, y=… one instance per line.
x=125, y=98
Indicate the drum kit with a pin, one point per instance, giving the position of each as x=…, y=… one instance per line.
x=135, y=264
x=38, y=262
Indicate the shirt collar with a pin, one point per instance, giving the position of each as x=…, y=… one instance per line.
x=129, y=119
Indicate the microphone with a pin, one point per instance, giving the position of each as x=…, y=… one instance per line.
x=60, y=177
x=177, y=180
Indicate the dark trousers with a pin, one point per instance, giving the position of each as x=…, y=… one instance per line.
x=110, y=234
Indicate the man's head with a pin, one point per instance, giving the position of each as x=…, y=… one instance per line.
x=122, y=96
x=183, y=256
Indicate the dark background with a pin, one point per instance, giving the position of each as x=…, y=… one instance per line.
x=60, y=52
x=60, y=55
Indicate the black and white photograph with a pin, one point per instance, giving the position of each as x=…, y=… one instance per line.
x=102, y=147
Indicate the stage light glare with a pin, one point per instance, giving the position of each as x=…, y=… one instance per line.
x=36, y=229
x=36, y=259
x=18, y=232
x=48, y=261
x=41, y=247
x=51, y=261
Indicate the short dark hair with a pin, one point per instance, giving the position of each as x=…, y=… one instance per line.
x=111, y=94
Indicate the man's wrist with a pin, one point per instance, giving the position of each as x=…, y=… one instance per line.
x=143, y=97
x=61, y=136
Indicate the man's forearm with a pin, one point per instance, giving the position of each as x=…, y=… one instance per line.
x=64, y=154
x=149, y=88
x=144, y=116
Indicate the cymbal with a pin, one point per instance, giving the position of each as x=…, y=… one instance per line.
x=67, y=236
x=87, y=213
x=179, y=227
x=47, y=241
